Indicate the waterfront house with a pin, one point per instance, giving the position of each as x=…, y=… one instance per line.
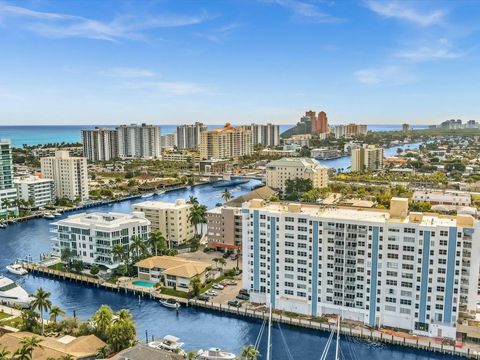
x=144, y=352
x=82, y=347
x=172, y=272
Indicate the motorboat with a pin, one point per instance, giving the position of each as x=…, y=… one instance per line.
x=170, y=303
x=3, y=225
x=214, y=354
x=161, y=192
x=48, y=216
x=148, y=195
x=169, y=343
x=16, y=269
x=13, y=294
x=57, y=214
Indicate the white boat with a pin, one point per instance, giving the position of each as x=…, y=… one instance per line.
x=3, y=225
x=169, y=343
x=57, y=214
x=12, y=294
x=214, y=354
x=160, y=192
x=148, y=195
x=16, y=269
x=48, y=216
x=170, y=303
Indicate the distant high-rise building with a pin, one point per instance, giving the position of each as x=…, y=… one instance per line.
x=68, y=173
x=188, y=136
x=266, y=135
x=8, y=192
x=100, y=144
x=350, y=130
x=319, y=123
x=226, y=143
x=367, y=158
x=168, y=141
x=405, y=127
x=139, y=141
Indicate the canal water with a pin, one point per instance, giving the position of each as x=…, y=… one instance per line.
x=197, y=328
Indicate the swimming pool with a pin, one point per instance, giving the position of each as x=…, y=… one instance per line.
x=143, y=283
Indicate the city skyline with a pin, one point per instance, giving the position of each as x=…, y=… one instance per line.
x=169, y=62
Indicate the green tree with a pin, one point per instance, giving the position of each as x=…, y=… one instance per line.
x=118, y=252
x=4, y=354
x=27, y=346
x=226, y=195
x=250, y=353
x=138, y=246
x=55, y=312
x=122, y=333
x=157, y=242
x=29, y=320
x=295, y=188
x=94, y=270
x=198, y=216
x=196, y=285
x=103, y=319
x=193, y=200
x=41, y=303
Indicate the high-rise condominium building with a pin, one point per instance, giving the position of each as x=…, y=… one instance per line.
x=8, y=192
x=393, y=268
x=92, y=237
x=37, y=191
x=279, y=171
x=319, y=123
x=69, y=175
x=367, y=158
x=168, y=141
x=172, y=219
x=350, y=130
x=188, y=136
x=138, y=141
x=100, y=144
x=226, y=143
x=264, y=134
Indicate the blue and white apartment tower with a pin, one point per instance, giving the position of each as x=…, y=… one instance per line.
x=410, y=270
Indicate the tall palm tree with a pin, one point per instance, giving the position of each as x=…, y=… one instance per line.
x=124, y=314
x=41, y=303
x=157, y=242
x=196, y=285
x=118, y=252
x=103, y=318
x=222, y=262
x=55, y=312
x=226, y=195
x=250, y=353
x=4, y=354
x=193, y=200
x=137, y=246
x=28, y=345
x=198, y=216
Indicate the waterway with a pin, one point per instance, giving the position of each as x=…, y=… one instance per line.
x=343, y=163
x=197, y=328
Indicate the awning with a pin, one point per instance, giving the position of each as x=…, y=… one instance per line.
x=222, y=245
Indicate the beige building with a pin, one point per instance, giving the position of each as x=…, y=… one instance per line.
x=224, y=225
x=170, y=218
x=69, y=175
x=367, y=158
x=172, y=272
x=226, y=143
x=350, y=130
x=279, y=171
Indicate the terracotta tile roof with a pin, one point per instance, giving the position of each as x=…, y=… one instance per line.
x=174, y=265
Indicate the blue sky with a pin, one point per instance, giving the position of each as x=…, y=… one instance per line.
x=115, y=61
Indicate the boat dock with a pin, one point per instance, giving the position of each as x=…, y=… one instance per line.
x=374, y=336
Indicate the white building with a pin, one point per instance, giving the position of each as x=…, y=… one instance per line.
x=141, y=142
x=92, y=236
x=8, y=193
x=69, y=175
x=455, y=198
x=100, y=144
x=168, y=141
x=38, y=191
x=279, y=171
x=367, y=158
x=188, y=136
x=384, y=268
x=264, y=134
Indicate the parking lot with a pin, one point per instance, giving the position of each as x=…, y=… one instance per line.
x=200, y=255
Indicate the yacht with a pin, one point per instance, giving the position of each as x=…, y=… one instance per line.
x=3, y=225
x=160, y=192
x=12, y=294
x=169, y=343
x=16, y=269
x=48, y=216
x=57, y=214
x=170, y=303
x=214, y=354
x=148, y=195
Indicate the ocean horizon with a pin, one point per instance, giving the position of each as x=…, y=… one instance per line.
x=30, y=135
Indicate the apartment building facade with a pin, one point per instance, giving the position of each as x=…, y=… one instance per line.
x=413, y=271
x=172, y=219
x=188, y=136
x=100, y=144
x=367, y=158
x=279, y=171
x=38, y=191
x=226, y=143
x=454, y=198
x=92, y=236
x=141, y=142
x=224, y=225
x=69, y=175
x=350, y=130
x=8, y=192
x=267, y=135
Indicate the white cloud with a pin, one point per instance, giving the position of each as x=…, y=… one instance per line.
x=388, y=75
x=219, y=34
x=178, y=88
x=124, y=72
x=58, y=25
x=400, y=10
x=306, y=11
x=426, y=53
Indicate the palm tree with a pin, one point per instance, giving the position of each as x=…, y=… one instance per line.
x=103, y=318
x=193, y=200
x=222, y=262
x=157, y=242
x=28, y=345
x=197, y=216
x=216, y=261
x=55, y=312
x=250, y=353
x=137, y=246
x=124, y=314
x=66, y=357
x=191, y=355
x=196, y=285
x=42, y=303
x=4, y=354
x=118, y=252
x=226, y=195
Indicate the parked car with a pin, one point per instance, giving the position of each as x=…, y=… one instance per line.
x=243, y=291
x=234, y=256
x=218, y=286
x=243, y=297
x=203, y=297
x=230, y=282
x=238, y=272
x=234, y=303
x=211, y=293
x=227, y=254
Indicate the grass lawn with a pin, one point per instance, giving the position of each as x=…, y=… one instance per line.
x=15, y=322
x=59, y=267
x=171, y=292
x=4, y=315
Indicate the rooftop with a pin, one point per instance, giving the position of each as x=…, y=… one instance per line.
x=175, y=266
x=144, y=352
x=106, y=220
x=180, y=203
x=295, y=162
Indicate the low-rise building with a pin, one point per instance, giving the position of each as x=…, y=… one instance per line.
x=408, y=270
x=172, y=272
x=224, y=225
x=215, y=166
x=456, y=198
x=325, y=153
x=41, y=152
x=172, y=219
x=279, y=171
x=92, y=236
x=302, y=140
x=36, y=191
x=279, y=153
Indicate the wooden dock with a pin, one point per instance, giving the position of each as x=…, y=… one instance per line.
x=373, y=336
